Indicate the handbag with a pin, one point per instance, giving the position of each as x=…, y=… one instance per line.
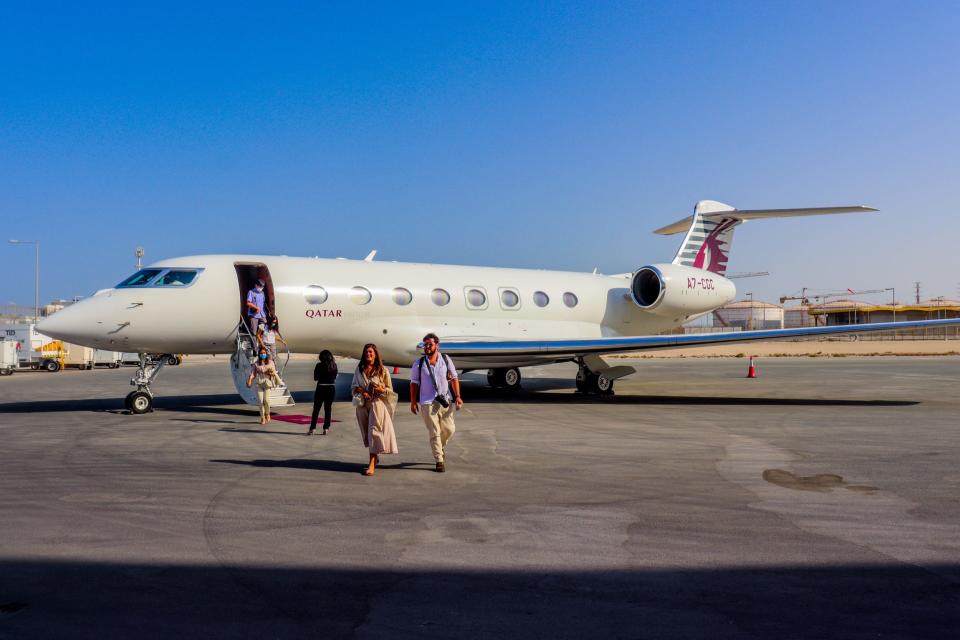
x=357, y=400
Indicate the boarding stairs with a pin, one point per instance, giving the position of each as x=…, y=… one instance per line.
x=241, y=363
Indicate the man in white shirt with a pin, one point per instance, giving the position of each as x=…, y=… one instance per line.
x=435, y=395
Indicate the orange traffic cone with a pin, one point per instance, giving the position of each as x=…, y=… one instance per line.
x=396, y=370
x=752, y=370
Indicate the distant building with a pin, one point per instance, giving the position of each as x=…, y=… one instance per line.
x=840, y=312
x=53, y=306
x=748, y=315
x=794, y=317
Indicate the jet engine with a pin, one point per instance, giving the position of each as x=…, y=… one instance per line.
x=675, y=290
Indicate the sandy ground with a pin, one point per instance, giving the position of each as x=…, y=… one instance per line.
x=824, y=348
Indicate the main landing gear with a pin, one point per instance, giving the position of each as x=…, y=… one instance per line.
x=141, y=400
x=508, y=379
x=593, y=383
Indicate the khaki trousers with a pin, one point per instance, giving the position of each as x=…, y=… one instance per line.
x=440, y=426
x=263, y=396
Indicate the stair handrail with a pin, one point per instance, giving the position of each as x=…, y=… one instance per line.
x=253, y=343
x=243, y=328
x=286, y=348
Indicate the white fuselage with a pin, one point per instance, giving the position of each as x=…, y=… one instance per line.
x=203, y=317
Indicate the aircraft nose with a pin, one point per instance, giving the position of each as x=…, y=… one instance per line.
x=76, y=323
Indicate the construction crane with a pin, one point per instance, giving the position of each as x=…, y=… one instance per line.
x=805, y=299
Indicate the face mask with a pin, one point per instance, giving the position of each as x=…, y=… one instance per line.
x=263, y=356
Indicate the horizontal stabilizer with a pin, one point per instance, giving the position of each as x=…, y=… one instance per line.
x=757, y=214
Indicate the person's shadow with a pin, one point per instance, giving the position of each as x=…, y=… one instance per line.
x=325, y=465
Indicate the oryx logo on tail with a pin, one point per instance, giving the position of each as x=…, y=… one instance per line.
x=707, y=245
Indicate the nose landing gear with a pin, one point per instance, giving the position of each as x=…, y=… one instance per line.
x=141, y=400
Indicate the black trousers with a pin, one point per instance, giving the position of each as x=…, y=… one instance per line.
x=323, y=397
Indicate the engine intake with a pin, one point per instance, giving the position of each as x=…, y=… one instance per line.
x=648, y=287
x=676, y=291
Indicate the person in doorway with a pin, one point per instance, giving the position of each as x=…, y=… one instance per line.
x=325, y=374
x=435, y=395
x=256, y=306
x=264, y=374
x=268, y=335
x=375, y=401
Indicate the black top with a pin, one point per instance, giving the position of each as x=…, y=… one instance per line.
x=323, y=375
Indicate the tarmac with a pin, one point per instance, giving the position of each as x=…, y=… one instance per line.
x=821, y=499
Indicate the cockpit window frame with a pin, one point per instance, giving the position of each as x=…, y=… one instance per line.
x=159, y=272
x=152, y=283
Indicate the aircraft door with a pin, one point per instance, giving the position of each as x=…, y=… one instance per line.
x=247, y=275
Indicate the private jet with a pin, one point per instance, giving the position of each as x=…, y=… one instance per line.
x=496, y=319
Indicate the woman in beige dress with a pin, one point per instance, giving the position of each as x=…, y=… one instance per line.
x=264, y=373
x=375, y=400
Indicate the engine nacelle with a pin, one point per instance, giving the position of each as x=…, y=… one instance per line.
x=675, y=290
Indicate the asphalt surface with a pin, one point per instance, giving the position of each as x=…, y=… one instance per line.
x=819, y=500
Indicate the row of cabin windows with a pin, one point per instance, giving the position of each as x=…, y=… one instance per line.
x=476, y=297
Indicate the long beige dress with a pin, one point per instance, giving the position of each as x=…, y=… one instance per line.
x=375, y=417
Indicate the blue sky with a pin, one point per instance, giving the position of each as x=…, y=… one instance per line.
x=549, y=135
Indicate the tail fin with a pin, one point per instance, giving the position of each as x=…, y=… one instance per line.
x=710, y=230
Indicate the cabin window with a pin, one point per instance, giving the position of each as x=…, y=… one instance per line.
x=315, y=294
x=440, y=297
x=360, y=295
x=402, y=296
x=540, y=298
x=176, y=278
x=476, y=297
x=570, y=299
x=140, y=278
x=509, y=298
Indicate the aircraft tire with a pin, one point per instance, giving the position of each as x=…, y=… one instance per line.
x=511, y=379
x=602, y=386
x=595, y=384
x=172, y=361
x=140, y=402
x=495, y=378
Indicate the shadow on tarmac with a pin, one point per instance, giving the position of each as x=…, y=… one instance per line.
x=229, y=403
x=327, y=465
x=75, y=599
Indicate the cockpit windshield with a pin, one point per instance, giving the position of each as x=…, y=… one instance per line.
x=176, y=278
x=140, y=278
x=153, y=278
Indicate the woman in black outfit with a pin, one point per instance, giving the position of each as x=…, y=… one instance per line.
x=325, y=373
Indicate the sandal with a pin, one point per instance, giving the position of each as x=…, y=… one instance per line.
x=368, y=472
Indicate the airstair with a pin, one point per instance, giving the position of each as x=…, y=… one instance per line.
x=241, y=363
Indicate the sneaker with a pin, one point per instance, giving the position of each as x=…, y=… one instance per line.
x=440, y=467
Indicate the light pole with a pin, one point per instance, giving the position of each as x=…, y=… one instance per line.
x=36, y=276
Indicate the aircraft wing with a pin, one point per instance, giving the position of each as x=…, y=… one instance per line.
x=559, y=349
